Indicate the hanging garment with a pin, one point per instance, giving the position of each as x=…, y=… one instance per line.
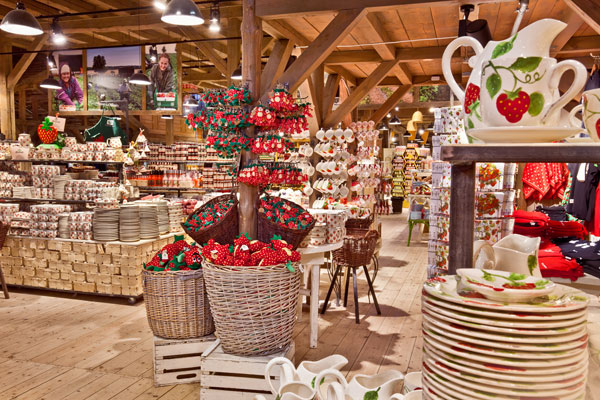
x=583, y=193
x=593, y=81
x=544, y=181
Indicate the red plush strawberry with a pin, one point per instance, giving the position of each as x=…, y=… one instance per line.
x=471, y=96
x=192, y=256
x=256, y=245
x=242, y=240
x=279, y=243
x=513, y=105
x=47, y=132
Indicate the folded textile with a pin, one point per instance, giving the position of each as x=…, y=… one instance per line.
x=545, y=180
x=553, y=263
x=556, y=229
x=555, y=213
x=530, y=217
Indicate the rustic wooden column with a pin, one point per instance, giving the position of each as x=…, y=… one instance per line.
x=462, y=216
x=7, y=104
x=251, y=70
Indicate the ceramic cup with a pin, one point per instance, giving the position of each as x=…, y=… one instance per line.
x=523, y=91
x=320, y=134
x=591, y=113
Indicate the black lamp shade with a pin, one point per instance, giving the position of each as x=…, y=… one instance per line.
x=139, y=79
x=21, y=22
x=395, y=121
x=237, y=74
x=182, y=12
x=191, y=103
x=50, y=83
x=480, y=30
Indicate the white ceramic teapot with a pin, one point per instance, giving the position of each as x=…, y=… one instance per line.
x=532, y=41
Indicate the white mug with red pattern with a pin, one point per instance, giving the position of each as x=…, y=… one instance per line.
x=591, y=113
x=523, y=91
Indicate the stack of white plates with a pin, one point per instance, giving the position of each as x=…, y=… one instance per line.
x=63, y=226
x=478, y=348
x=163, y=217
x=106, y=224
x=129, y=223
x=59, y=186
x=22, y=192
x=148, y=221
x=175, y=216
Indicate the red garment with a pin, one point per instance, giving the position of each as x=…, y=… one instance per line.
x=545, y=180
x=554, y=264
x=596, y=228
x=530, y=223
x=556, y=229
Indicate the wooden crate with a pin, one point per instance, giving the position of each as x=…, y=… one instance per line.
x=225, y=376
x=178, y=361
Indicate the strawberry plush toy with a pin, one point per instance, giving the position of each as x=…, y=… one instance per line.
x=47, y=132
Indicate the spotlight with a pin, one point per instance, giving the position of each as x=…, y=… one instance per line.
x=57, y=34
x=431, y=109
x=50, y=83
x=215, y=18
x=214, y=27
x=153, y=53
x=50, y=61
x=161, y=5
x=395, y=121
x=421, y=131
x=139, y=79
x=389, y=115
x=20, y=22
x=396, y=108
x=182, y=12
x=237, y=74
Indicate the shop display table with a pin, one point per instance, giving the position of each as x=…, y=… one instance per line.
x=464, y=157
x=79, y=266
x=312, y=259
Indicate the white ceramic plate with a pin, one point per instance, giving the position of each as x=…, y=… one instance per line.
x=501, y=350
x=464, y=331
x=431, y=393
x=514, y=331
x=561, y=299
x=495, y=322
x=494, y=388
x=512, y=362
x=560, y=347
x=504, y=316
x=505, y=286
x=522, y=370
x=524, y=134
x=513, y=380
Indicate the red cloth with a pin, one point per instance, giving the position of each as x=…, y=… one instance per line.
x=545, y=180
x=556, y=229
x=530, y=223
x=554, y=264
x=595, y=229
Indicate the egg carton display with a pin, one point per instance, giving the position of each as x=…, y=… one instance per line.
x=80, y=225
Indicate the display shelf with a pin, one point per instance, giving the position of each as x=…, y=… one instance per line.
x=34, y=200
x=192, y=161
x=66, y=162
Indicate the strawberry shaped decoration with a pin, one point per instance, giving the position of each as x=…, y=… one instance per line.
x=47, y=132
x=513, y=105
x=177, y=256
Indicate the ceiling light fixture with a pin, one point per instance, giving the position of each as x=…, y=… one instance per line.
x=396, y=108
x=215, y=18
x=50, y=83
x=389, y=115
x=58, y=36
x=191, y=102
x=166, y=116
x=161, y=5
x=237, y=74
x=421, y=131
x=50, y=61
x=182, y=12
x=395, y=121
x=20, y=22
x=153, y=53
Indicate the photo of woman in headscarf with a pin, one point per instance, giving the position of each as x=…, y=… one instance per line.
x=161, y=76
x=70, y=93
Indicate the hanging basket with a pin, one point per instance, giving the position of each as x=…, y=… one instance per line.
x=224, y=231
x=254, y=308
x=267, y=228
x=177, y=306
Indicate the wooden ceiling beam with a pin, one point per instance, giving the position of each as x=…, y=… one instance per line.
x=360, y=92
x=276, y=64
x=331, y=88
x=321, y=47
x=390, y=103
x=269, y=9
x=588, y=10
x=282, y=30
x=25, y=61
x=206, y=49
x=574, y=22
x=316, y=83
x=580, y=45
x=371, y=56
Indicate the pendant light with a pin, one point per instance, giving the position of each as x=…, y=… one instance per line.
x=20, y=22
x=215, y=18
x=417, y=116
x=160, y=4
x=182, y=12
x=395, y=121
x=139, y=78
x=191, y=102
x=58, y=36
x=50, y=83
x=50, y=61
x=237, y=74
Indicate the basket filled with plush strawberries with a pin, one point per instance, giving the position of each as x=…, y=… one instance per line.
x=176, y=302
x=217, y=219
x=277, y=216
x=253, y=289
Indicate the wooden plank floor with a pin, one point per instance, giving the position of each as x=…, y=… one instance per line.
x=56, y=346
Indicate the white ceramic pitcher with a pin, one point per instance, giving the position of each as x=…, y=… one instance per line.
x=532, y=41
x=513, y=253
x=387, y=385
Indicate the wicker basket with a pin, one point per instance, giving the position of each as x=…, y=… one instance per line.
x=359, y=246
x=177, y=306
x=360, y=223
x=268, y=228
x=224, y=231
x=254, y=307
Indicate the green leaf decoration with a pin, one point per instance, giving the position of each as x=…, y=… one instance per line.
x=312, y=383
x=541, y=284
x=372, y=395
x=531, y=263
x=177, y=238
x=470, y=124
x=516, y=277
x=493, y=84
x=526, y=64
x=487, y=276
x=503, y=48
x=536, y=103
x=290, y=267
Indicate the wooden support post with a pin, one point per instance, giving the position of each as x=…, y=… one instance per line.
x=169, y=139
x=344, y=94
x=321, y=47
x=360, y=92
x=7, y=104
x=390, y=103
x=316, y=84
x=276, y=64
x=462, y=216
x=251, y=68
x=234, y=49
x=331, y=88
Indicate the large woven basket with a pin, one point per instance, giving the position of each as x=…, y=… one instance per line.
x=254, y=307
x=359, y=246
x=268, y=228
x=224, y=231
x=177, y=306
x=359, y=223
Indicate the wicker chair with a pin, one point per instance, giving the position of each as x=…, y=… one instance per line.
x=357, y=251
x=3, y=233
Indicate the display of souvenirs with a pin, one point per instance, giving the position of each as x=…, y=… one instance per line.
x=285, y=214
x=248, y=252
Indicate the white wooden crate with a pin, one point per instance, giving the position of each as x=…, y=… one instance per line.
x=178, y=361
x=225, y=376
